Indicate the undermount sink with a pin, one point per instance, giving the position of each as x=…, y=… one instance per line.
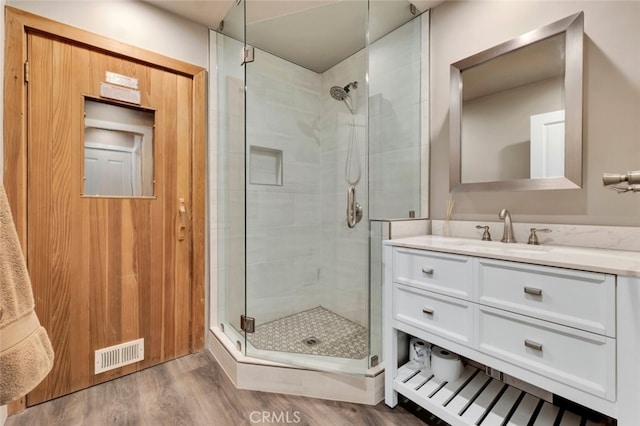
x=528, y=250
x=496, y=247
x=507, y=248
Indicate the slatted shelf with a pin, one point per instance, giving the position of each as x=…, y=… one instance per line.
x=477, y=399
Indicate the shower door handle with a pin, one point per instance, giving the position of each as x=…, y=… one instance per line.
x=354, y=209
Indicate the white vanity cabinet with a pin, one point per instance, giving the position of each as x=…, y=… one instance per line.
x=563, y=329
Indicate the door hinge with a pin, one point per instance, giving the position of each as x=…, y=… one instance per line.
x=375, y=360
x=247, y=54
x=26, y=72
x=247, y=324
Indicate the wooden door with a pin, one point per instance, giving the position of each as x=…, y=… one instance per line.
x=108, y=270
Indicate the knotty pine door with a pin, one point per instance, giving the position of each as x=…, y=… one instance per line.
x=105, y=270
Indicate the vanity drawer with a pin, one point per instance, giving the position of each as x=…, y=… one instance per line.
x=584, y=300
x=577, y=358
x=445, y=316
x=444, y=273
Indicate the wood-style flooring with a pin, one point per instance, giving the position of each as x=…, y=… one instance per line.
x=195, y=391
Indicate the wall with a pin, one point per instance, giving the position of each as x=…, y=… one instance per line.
x=344, y=250
x=611, y=107
x=132, y=22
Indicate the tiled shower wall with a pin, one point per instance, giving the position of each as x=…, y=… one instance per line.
x=283, y=236
x=345, y=253
x=300, y=253
x=391, y=163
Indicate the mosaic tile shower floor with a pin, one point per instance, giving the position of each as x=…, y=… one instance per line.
x=335, y=336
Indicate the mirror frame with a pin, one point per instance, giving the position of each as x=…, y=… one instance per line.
x=573, y=27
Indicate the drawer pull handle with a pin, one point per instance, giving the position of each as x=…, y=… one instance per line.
x=428, y=271
x=427, y=311
x=533, y=291
x=533, y=345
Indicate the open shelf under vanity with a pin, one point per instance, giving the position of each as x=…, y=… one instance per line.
x=478, y=399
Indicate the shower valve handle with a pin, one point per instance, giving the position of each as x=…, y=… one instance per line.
x=354, y=209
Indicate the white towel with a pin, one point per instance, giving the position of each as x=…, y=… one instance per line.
x=26, y=355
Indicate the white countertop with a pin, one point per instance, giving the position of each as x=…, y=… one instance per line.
x=619, y=262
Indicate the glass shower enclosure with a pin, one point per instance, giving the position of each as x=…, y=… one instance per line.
x=319, y=136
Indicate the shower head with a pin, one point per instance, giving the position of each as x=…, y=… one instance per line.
x=341, y=93
x=338, y=93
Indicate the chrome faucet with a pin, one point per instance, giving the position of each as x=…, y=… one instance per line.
x=507, y=235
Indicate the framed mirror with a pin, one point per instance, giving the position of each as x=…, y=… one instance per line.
x=516, y=112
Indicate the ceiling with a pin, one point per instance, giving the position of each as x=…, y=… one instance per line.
x=315, y=34
x=210, y=12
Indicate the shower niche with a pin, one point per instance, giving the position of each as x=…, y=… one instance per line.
x=265, y=166
x=323, y=120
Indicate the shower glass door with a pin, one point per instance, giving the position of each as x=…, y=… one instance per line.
x=306, y=269
x=295, y=192
x=228, y=216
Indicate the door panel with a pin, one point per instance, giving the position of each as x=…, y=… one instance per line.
x=105, y=270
